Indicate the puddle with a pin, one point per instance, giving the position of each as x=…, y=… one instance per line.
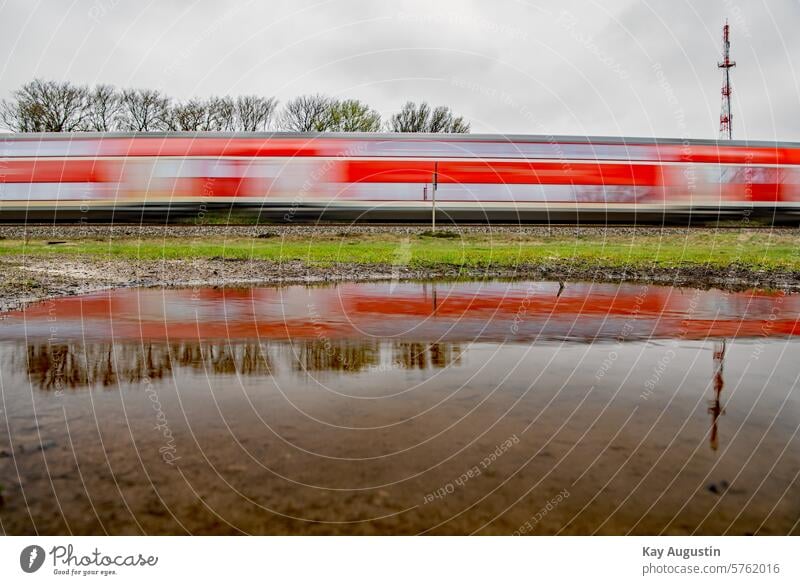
x=401, y=408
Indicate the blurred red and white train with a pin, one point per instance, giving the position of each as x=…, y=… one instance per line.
x=391, y=177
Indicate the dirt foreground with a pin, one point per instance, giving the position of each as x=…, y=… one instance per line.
x=28, y=280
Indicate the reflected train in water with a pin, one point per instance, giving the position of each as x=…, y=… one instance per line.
x=411, y=311
x=391, y=177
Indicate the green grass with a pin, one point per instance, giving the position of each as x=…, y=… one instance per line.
x=757, y=250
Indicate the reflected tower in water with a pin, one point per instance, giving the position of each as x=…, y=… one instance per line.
x=715, y=408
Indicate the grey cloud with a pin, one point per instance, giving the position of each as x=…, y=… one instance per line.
x=625, y=67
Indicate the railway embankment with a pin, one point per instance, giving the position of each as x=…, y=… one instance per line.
x=44, y=261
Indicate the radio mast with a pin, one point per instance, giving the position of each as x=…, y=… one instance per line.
x=725, y=118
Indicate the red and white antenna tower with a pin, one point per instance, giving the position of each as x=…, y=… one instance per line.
x=725, y=133
x=725, y=118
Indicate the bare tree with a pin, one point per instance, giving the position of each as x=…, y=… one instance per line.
x=50, y=106
x=215, y=114
x=413, y=118
x=104, y=108
x=223, y=112
x=307, y=113
x=254, y=113
x=443, y=120
x=46, y=106
x=191, y=116
x=20, y=116
x=144, y=110
x=353, y=116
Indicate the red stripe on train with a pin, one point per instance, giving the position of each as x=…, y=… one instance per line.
x=60, y=171
x=484, y=172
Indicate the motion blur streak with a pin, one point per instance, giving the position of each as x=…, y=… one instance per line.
x=391, y=177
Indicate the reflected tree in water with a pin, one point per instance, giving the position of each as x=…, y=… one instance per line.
x=335, y=355
x=75, y=365
x=421, y=356
x=357, y=356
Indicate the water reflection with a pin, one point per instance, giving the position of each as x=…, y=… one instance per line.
x=74, y=365
x=343, y=356
x=419, y=312
x=129, y=335
x=82, y=365
x=341, y=409
x=715, y=407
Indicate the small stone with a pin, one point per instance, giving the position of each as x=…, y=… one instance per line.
x=719, y=488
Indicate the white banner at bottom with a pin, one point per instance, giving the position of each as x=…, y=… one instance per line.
x=401, y=560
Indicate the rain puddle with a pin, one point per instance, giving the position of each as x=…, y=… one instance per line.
x=402, y=408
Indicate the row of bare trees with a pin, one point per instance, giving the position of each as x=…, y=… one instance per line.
x=52, y=106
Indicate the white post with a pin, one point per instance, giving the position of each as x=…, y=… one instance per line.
x=433, y=193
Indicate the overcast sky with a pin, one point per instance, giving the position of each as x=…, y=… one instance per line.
x=620, y=67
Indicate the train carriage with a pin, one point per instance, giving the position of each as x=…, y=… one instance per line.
x=391, y=177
